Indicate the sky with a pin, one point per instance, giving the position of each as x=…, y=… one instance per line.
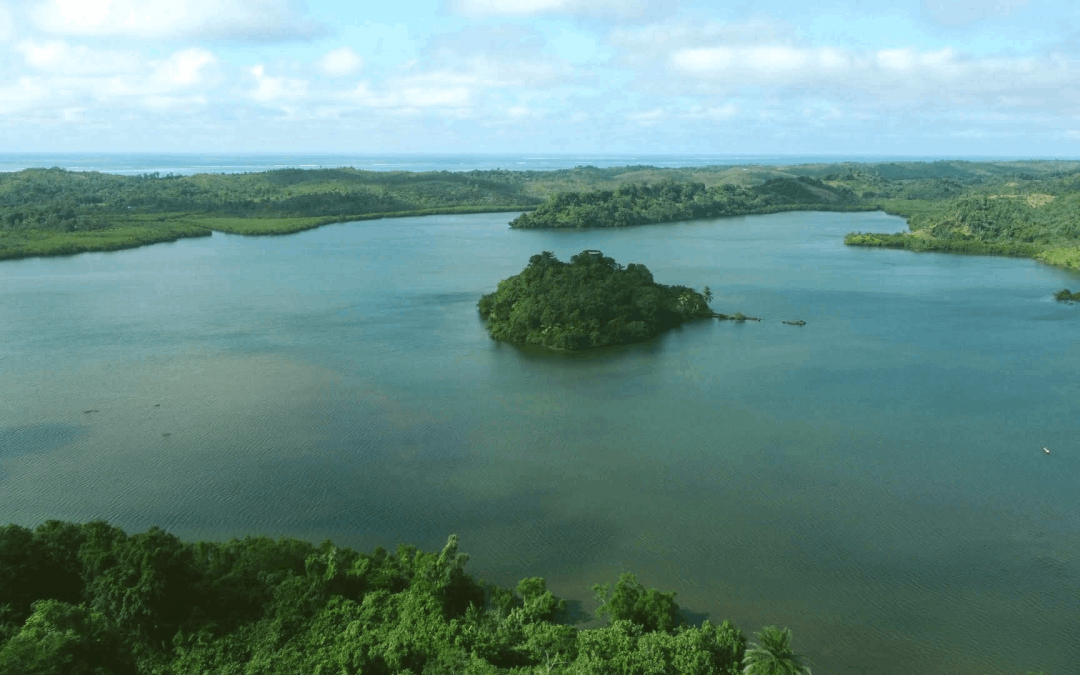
x=847, y=77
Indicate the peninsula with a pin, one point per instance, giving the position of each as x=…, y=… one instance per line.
x=592, y=301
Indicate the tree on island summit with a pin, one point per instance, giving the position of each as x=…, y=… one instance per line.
x=772, y=655
x=707, y=294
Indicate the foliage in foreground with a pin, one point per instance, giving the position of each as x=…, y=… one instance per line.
x=592, y=301
x=772, y=654
x=89, y=599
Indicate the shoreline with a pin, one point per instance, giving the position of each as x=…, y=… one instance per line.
x=38, y=243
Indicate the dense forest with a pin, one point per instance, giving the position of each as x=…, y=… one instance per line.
x=592, y=301
x=89, y=599
x=1013, y=208
x=1029, y=209
x=53, y=211
x=666, y=201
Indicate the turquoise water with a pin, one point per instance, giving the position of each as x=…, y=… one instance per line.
x=874, y=480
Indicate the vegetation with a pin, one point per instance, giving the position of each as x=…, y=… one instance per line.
x=1065, y=295
x=668, y=201
x=89, y=599
x=57, y=212
x=1025, y=209
x=1028, y=213
x=35, y=242
x=592, y=301
x=772, y=654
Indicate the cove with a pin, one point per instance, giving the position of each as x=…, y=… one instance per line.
x=874, y=479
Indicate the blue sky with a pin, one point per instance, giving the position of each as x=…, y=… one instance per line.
x=918, y=77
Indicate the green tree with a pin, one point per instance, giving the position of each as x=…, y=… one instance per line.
x=629, y=601
x=707, y=294
x=63, y=639
x=772, y=655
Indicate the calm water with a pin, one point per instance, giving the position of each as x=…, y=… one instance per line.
x=192, y=163
x=873, y=480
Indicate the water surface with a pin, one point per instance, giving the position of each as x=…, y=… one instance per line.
x=873, y=480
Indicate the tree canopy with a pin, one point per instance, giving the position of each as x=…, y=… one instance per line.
x=592, y=301
x=93, y=600
x=1026, y=208
x=666, y=201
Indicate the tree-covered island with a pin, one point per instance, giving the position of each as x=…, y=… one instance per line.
x=592, y=301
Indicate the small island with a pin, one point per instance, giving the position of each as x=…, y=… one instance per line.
x=1067, y=296
x=592, y=301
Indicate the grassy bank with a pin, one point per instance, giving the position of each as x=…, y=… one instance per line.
x=269, y=226
x=913, y=242
x=135, y=231
x=30, y=243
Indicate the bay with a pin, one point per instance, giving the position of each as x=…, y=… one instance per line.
x=874, y=480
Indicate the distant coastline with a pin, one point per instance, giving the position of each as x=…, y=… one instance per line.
x=190, y=163
x=1022, y=208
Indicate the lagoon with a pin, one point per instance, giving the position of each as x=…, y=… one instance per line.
x=874, y=479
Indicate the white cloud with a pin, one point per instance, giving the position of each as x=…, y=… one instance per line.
x=275, y=89
x=184, y=68
x=484, y=8
x=23, y=94
x=522, y=111
x=173, y=104
x=491, y=73
x=649, y=118
x=79, y=83
x=684, y=32
x=402, y=95
x=894, y=74
x=257, y=20
x=714, y=113
x=57, y=56
x=958, y=13
x=340, y=62
x=761, y=63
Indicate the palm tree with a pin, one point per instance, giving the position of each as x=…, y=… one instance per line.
x=772, y=655
x=708, y=295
